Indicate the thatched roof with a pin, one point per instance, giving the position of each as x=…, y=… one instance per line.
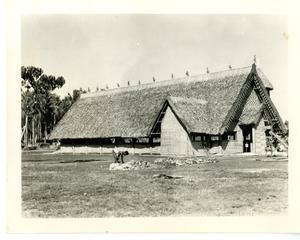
x=192, y=112
x=202, y=102
x=252, y=115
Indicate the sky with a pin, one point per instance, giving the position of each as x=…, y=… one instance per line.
x=92, y=51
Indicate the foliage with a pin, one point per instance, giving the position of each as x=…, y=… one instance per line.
x=41, y=108
x=286, y=133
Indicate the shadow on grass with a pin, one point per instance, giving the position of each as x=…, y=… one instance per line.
x=84, y=160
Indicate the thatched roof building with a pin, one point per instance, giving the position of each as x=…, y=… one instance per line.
x=209, y=104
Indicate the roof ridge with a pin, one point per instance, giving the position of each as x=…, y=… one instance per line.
x=187, y=79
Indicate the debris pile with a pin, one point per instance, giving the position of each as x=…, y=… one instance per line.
x=183, y=161
x=131, y=165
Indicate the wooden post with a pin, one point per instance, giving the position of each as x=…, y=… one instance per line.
x=220, y=140
x=86, y=146
x=101, y=146
x=253, y=140
x=133, y=145
x=151, y=144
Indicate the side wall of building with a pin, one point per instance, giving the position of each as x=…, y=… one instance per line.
x=260, y=137
x=234, y=146
x=174, y=138
x=176, y=141
x=107, y=149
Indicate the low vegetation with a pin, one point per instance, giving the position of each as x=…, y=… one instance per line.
x=66, y=185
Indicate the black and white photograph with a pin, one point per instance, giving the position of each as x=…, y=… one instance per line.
x=166, y=119
x=154, y=115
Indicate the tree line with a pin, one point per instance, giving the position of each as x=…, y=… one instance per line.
x=41, y=107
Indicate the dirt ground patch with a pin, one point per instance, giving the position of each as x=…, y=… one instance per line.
x=81, y=185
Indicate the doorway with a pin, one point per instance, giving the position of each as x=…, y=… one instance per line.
x=247, y=138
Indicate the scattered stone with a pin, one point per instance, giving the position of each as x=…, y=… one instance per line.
x=259, y=199
x=171, y=161
x=116, y=166
x=131, y=165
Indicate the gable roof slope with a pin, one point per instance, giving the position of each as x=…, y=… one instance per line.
x=131, y=111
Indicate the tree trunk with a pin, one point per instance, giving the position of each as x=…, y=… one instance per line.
x=40, y=127
x=45, y=132
x=36, y=129
x=33, y=132
x=26, y=131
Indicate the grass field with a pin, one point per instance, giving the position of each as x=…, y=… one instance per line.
x=79, y=185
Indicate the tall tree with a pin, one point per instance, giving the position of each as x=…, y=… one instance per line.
x=38, y=88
